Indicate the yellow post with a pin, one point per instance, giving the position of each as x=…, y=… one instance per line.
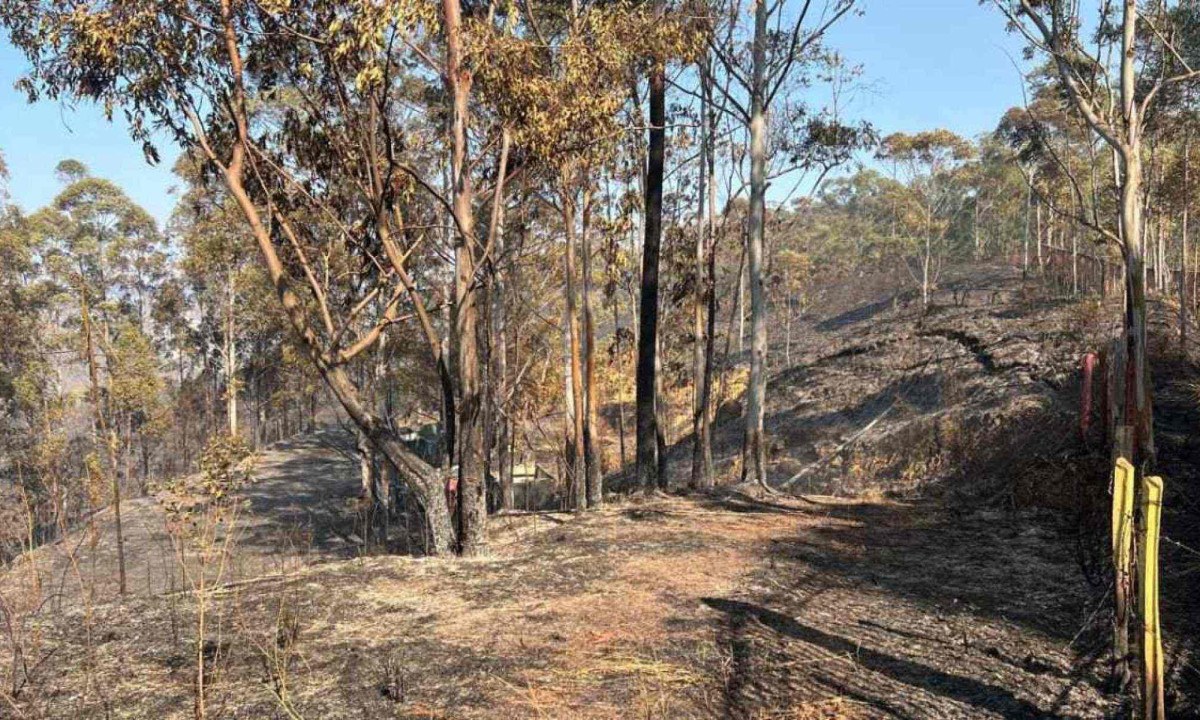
x=1152, y=653
x=1122, y=544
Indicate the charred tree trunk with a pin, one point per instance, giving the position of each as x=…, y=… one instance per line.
x=647, y=416
x=577, y=465
x=592, y=449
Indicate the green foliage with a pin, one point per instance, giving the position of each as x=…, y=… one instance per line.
x=932, y=151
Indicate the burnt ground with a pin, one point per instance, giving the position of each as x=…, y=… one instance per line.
x=1176, y=419
x=979, y=391
x=726, y=606
x=929, y=568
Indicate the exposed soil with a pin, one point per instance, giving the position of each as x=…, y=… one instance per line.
x=724, y=606
x=930, y=571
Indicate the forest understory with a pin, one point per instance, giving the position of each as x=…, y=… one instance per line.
x=931, y=552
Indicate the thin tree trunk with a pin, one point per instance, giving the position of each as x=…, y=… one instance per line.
x=741, y=300
x=1025, y=240
x=1074, y=262
x=754, y=457
x=663, y=423
x=721, y=396
x=592, y=449
x=701, y=318
x=975, y=229
x=467, y=292
x=1183, y=244
x=500, y=319
x=1038, y=234
x=577, y=469
x=107, y=438
x=620, y=405
x=231, y=359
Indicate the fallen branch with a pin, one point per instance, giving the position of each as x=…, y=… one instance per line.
x=813, y=466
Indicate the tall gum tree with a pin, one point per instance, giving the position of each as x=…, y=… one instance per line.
x=762, y=64
x=1116, y=82
x=561, y=86
x=1105, y=84
x=929, y=196
x=95, y=241
x=309, y=115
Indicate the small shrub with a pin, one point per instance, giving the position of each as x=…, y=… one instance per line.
x=201, y=518
x=223, y=469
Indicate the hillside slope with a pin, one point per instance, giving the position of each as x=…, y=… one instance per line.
x=939, y=582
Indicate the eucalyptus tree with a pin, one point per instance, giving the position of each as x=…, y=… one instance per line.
x=649, y=433
x=97, y=244
x=1113, y=81
x=32, y=434
x=309, y=114
x=559, y=83
x=930, y=194
x=218, y=268
x=997, y=198
x=766, y=63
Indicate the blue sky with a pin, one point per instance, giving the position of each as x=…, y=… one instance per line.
x=34, y=138
x=927, y=63
x=932, y=63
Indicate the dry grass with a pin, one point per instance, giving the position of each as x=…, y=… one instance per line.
x=635, y=611
x=716, y=606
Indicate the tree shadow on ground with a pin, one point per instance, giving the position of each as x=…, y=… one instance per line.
x=912, y=611
x=840, y=662
x=866, y=312
x=302, y=498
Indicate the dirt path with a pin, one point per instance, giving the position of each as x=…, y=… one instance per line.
x=300, y=509
x=668, y=608
x=708, y=607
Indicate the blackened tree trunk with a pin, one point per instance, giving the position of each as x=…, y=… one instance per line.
x=595, y=474
x=647, y=420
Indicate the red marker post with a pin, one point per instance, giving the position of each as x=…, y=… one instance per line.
x=452, y=492
x=1085, y=399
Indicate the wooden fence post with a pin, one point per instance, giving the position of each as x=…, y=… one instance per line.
x=1122, y=548
x=1152, y=653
